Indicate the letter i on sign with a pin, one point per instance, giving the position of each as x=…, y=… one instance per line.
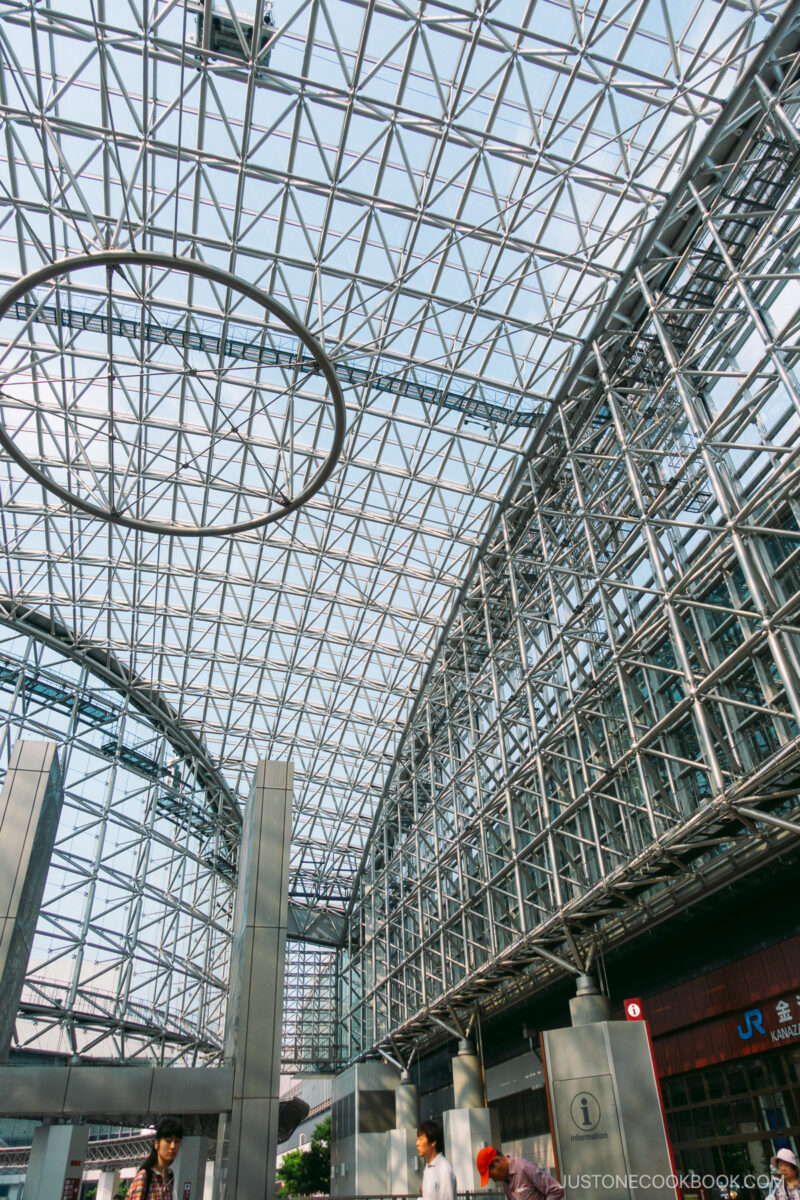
x=634, y=1010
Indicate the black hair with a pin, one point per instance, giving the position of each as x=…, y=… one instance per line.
x=167, y=1127
x=433, y=1132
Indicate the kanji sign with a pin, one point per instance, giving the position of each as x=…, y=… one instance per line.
x=778, y=1020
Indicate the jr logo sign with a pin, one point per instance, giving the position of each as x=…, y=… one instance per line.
x=753, y=1023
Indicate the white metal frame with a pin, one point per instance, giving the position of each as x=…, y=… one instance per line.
x=446, y=196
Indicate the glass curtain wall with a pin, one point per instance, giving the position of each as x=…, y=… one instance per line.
x=611, y=723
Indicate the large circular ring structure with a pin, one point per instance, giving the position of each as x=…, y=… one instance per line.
x=118, y=259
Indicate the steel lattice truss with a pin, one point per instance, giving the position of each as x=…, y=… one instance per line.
x=130, y=959
x=311, y=1032
x=612, y=724
x=446, y=196
x=115, y=1152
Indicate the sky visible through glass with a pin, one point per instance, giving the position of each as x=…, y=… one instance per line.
x=444, y=194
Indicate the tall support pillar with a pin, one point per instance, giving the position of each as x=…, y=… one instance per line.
x=55, y=1167
x=403, y=1159
x=249, y=1138
x=605, y=1104
x=108, y=1185
x=30, y=806
x=469, y=1124
x=467, y=1080
x=190, y=1169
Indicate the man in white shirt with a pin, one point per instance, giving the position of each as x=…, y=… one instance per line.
x=438, y=1180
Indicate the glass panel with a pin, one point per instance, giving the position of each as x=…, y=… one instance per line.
x=376, y=1112
x=703, y=1122
x=736, y=1079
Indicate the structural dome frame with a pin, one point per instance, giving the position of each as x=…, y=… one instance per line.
x=447, y=196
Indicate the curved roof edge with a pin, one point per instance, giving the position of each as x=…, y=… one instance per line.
x=666, y=233
x=150, y=703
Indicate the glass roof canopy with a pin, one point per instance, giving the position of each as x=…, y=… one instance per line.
x=444, y=194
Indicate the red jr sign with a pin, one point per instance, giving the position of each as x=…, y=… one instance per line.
x=634, y=1010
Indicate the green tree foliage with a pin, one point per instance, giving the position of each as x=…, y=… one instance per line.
x=308, y=1172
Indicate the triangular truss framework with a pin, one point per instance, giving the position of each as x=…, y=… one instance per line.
x=446, y=195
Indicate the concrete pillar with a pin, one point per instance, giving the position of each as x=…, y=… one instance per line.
x=405, y=1173
x=248, y=1139
x=467, y=1078
x=606, y=1111
x=30, y=806
x=406, y=1104
x=466, y=1130
x=589, y=1004
x=55, y=1168
x=107, y=1185
x=469, y=1124
x=404, y=1163
x=190, y=1169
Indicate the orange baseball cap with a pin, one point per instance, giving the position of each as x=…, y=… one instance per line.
x=485, y=1158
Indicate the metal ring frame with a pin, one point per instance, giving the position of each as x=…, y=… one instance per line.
x=121, y=258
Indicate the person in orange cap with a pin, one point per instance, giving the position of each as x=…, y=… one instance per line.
x=520, y=1179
